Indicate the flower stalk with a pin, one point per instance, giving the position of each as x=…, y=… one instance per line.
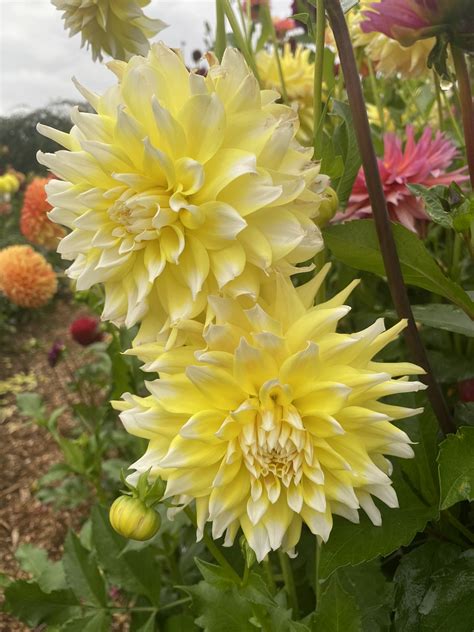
x=220, y=30
x=467, y=108
x=239, y=36
x=379, y=207
x=318, y=71
x=289, y=583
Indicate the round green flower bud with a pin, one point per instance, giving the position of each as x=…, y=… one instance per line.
x=328, y=207
x=133, y=519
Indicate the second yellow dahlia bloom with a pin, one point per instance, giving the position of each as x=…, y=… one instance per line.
x=298, y=73
x=277, y=421
x=118, y=28
x=181, y=186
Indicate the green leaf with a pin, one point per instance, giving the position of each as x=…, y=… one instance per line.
x=449, y=367
x=337, y=611
x=74, y=456
x=31, y=405
x=423, y=430
x=30, y=604
x=374, y=595
x=178, y=623
x=82, y=574
x=447, y=605
x=345, y=144
x=456, y=467
x=121, y=370
x=135, y=571
x=4, y=580
x=432, y=198
x=355, y=244
x=98, y=622
x=413, y=577
x=49, y=575
x=464, y=414
x=356, y=543
x=220, y=609
x=447, y=317
x=247, y=604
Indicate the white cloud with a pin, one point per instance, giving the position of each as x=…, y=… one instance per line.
x=38, y=59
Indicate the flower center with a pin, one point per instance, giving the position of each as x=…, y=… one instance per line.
x=138, y=217
x=275, y=445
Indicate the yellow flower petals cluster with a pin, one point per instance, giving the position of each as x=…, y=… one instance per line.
x=298, y=73
x=26, y=278
x=8, y=184
x=276, y=422
x=118, y=28
x=181, y=186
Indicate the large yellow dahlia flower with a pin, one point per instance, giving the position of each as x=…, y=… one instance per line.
x=118, y=28
x=181, y=186
x=277, y=422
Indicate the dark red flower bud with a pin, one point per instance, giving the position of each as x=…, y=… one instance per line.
x=86, y=331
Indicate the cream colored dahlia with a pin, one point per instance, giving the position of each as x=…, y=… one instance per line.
x=118, y=28
x=26, y=278
x=181, y=186
x=277, y=421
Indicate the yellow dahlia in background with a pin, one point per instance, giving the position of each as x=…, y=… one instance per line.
x=118, y=28
x=26, y=278
x=181, y=186
x=34, y=222
x=387, y=54
x=9, y=184
x=298, y=72
x=277, y=422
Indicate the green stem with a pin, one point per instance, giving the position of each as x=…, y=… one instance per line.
x=239, y=37
x=439, y=103
x=317, y=586
x=244, y=22
x=289, y=583
x=220, y=30
x=454, y=123
x=456, y=258
x=376, y=93
x=459, y=526
x=319, y=261
x=413, y=95
x=467, y=108
x=267, y=567
x=175, y=604
x=276, y=51
x=213, y=548
x=318, y=71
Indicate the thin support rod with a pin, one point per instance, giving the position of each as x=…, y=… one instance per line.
x=380, y=213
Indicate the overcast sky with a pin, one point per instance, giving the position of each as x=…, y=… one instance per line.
x=38, y=59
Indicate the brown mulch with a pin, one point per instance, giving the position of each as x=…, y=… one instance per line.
x=28, y=451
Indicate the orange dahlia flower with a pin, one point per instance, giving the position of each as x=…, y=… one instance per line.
x=34, y=223
x=26, y=278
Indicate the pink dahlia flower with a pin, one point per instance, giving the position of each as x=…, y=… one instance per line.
x=424, y=162
x=410, y=20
